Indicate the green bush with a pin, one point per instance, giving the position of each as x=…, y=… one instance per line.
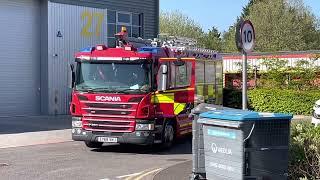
x=274, y=100
x=304, y=156
x=232, y=98
x=285, y=101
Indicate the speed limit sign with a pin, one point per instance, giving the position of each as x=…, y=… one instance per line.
x=245, y=41
x=245, y=36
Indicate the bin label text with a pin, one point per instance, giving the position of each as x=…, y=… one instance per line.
x=223, y=150
x=229, y=135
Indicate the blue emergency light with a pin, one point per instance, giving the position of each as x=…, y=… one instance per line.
x=153, y=50
x=87, y=49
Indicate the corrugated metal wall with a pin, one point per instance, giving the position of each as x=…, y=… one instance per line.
x=70, y=29
x=75, y=24
x=44, y=56
x=149, y=8
x=19, y=57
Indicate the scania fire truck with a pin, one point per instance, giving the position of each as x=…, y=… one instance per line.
x=141, y=94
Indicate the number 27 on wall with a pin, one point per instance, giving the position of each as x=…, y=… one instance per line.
x=88, y=18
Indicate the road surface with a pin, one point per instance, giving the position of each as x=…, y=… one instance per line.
x=72, y=160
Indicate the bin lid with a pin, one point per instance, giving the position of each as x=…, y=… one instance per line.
x=242, y=115
x=204, y=107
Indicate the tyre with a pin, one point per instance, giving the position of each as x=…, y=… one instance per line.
x=168, y=135
x=91, y=144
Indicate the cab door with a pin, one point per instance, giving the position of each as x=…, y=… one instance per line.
x=175, y=95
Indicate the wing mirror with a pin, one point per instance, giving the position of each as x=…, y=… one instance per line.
x=163, y=77
x=73, y=75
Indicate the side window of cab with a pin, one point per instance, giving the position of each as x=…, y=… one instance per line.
x=180, y=75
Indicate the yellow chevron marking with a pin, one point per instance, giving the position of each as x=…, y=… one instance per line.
x=163, y=98
x=200, y=90
x=186, y=131
x=175, y=90
x=210, y=90
x=186, y=124
x=178, y=107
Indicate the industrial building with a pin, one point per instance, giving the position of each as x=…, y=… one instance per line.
x=38, y=39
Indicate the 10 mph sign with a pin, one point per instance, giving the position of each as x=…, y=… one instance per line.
x=245, y=41
x=245, y=36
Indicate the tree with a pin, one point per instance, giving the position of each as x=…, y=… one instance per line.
x=280, y=25
x=228, y=37
x=177, y=24
x=228, y=40
x=245, y=10
x=212, y=39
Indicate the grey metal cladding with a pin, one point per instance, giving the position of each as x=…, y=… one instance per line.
x=20, y=57
x=149, y=8
x=44, y=57
x=66, y=36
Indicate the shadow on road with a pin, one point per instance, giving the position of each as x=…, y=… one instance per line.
x=12, y=125
x=182, y=146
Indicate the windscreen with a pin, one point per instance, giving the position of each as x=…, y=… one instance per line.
x=113, y=77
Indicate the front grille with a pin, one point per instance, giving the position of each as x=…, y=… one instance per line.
x=115, y=129
x=109, y=125
x=115, y=117
x=103, y=105
x=108, y=112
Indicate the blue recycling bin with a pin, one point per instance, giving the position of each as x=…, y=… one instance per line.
x=241, y=144
x=198, y=164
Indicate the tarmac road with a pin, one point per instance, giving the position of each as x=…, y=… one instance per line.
x=72, y=160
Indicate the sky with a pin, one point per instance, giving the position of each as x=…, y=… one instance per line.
x=218, y=13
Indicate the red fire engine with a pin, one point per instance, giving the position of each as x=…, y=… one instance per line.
x=141, y=95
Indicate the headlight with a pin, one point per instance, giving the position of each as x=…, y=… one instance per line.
x=76, y=118
x=144, y=127
x=76, y=122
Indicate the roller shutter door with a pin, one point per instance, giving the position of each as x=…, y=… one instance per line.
x=19, y=57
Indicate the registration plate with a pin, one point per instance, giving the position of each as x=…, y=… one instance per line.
x=107, y=139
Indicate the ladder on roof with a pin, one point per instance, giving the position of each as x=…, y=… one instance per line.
x=181, y=46
x=187, y=47
x=199, y=53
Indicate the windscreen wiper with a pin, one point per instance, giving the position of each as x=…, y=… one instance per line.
x=92, y=90
x=102, y=90
x=130, y=90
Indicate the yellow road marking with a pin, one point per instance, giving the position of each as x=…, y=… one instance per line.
x=129, y=175
x=141, y=175
x=147, y=173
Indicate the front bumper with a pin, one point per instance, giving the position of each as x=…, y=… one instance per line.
x=137, y=137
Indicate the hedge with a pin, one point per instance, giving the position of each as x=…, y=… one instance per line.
x=304, y=156
x=275, y=100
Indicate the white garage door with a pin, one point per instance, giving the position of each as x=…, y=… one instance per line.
x=19, y=57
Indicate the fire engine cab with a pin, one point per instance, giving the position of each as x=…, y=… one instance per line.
x=141, y=94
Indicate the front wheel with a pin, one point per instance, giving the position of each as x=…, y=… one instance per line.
x=168, y=135
x=96, y=145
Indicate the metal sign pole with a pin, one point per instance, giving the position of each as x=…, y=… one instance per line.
x=245, y=41
x=244, y=81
